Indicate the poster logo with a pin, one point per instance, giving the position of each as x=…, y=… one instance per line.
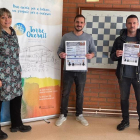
x=19, y=28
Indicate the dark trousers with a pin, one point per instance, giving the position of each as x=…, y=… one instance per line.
x=125, y=85
x=15, y=111
x=79, y=78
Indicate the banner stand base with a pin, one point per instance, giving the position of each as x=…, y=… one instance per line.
x=43, y=118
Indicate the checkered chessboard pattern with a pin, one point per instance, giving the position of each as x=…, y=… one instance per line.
x=104, y=30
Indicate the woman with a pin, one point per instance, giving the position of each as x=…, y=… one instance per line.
x=10, y=73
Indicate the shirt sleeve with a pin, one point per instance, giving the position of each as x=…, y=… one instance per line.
x=61, y=48
x=114, y=49
x=92, y=46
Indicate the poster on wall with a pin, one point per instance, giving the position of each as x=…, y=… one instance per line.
x=39, y=33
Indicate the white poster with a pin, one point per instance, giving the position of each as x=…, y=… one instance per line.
x=76, y=55
x=38, y=24
x=130, y=54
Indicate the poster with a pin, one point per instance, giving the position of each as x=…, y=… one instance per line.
x=130, y=54
x=39, y=33
x=76, y=55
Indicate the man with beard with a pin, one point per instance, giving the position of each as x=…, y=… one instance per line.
x=127, y=74
x=78, y=76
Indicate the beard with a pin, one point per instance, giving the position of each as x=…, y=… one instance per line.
x=78, y=30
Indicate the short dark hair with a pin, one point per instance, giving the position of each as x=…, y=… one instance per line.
x=79, y=16
x=132, y=16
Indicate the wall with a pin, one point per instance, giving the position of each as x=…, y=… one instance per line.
x=101, y=90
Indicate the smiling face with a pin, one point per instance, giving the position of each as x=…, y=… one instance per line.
x=5, y=20
x=79, y=24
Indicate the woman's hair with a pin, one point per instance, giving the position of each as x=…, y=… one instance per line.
x=2, y=11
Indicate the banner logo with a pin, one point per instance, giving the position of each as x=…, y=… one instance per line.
x=19, y=28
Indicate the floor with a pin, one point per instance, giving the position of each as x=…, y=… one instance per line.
x=100, y=128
